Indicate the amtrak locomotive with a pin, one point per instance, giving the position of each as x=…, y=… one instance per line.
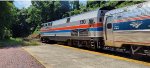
x=125, y=29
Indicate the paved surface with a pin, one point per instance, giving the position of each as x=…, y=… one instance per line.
x=57, y=56
x=16, y=57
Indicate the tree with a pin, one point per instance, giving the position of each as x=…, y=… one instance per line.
x=21, y=27
x=46, y=10
x=5, y=17
x=75, y=5
x=65, y=7
x=52, y=10
x=34, y=18
x=109, y=5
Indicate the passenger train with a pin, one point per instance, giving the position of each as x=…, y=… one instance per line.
x=124, y=29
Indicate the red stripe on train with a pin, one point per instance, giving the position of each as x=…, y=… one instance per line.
x=74, y=27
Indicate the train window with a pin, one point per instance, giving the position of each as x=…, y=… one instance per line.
x=100, y=19
x=49, y=24
x=82, y=21
x=146, y=11
x=91, y=21
x=45, y=25
x=102, y=13
x=109, y=19
x=68, y=20
x=140, y=5
x=119, y=17
x=109, y=26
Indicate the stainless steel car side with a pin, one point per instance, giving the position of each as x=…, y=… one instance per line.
x=129, y=28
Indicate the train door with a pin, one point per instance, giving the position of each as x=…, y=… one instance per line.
x=109, y=39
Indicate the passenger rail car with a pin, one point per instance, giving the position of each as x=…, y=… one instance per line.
x=129, y=28
x=125, y=29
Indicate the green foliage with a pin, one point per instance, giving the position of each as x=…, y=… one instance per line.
x=93, y=4
x=5, y=17
x=45, y=9
x=21, y=27
x=74, y=12
x=51, y=10
x=109, y=5
x=18, y=42
x=128, y=3
x=83, y=8
x=11, y=42
x=31, y=43
x=75, y=5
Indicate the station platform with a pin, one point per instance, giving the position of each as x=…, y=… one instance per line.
x=60, y=56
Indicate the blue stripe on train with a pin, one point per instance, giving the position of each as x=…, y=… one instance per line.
x=132, y=25
x=96, y=29
x=89, y=29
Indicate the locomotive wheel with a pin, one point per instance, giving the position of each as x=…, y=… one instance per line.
x=79, y=44
x=69, y=42
x=88, y=45
x=46, y=40
x=74, y=43
x=41, y=40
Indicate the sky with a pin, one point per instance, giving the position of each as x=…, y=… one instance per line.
x=22, y=3
x=26, y=3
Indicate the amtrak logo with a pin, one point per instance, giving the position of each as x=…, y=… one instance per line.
x=136, y=24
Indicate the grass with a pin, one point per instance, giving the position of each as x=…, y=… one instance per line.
x=18, y=42
x=31, y=43
x=11, y=42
